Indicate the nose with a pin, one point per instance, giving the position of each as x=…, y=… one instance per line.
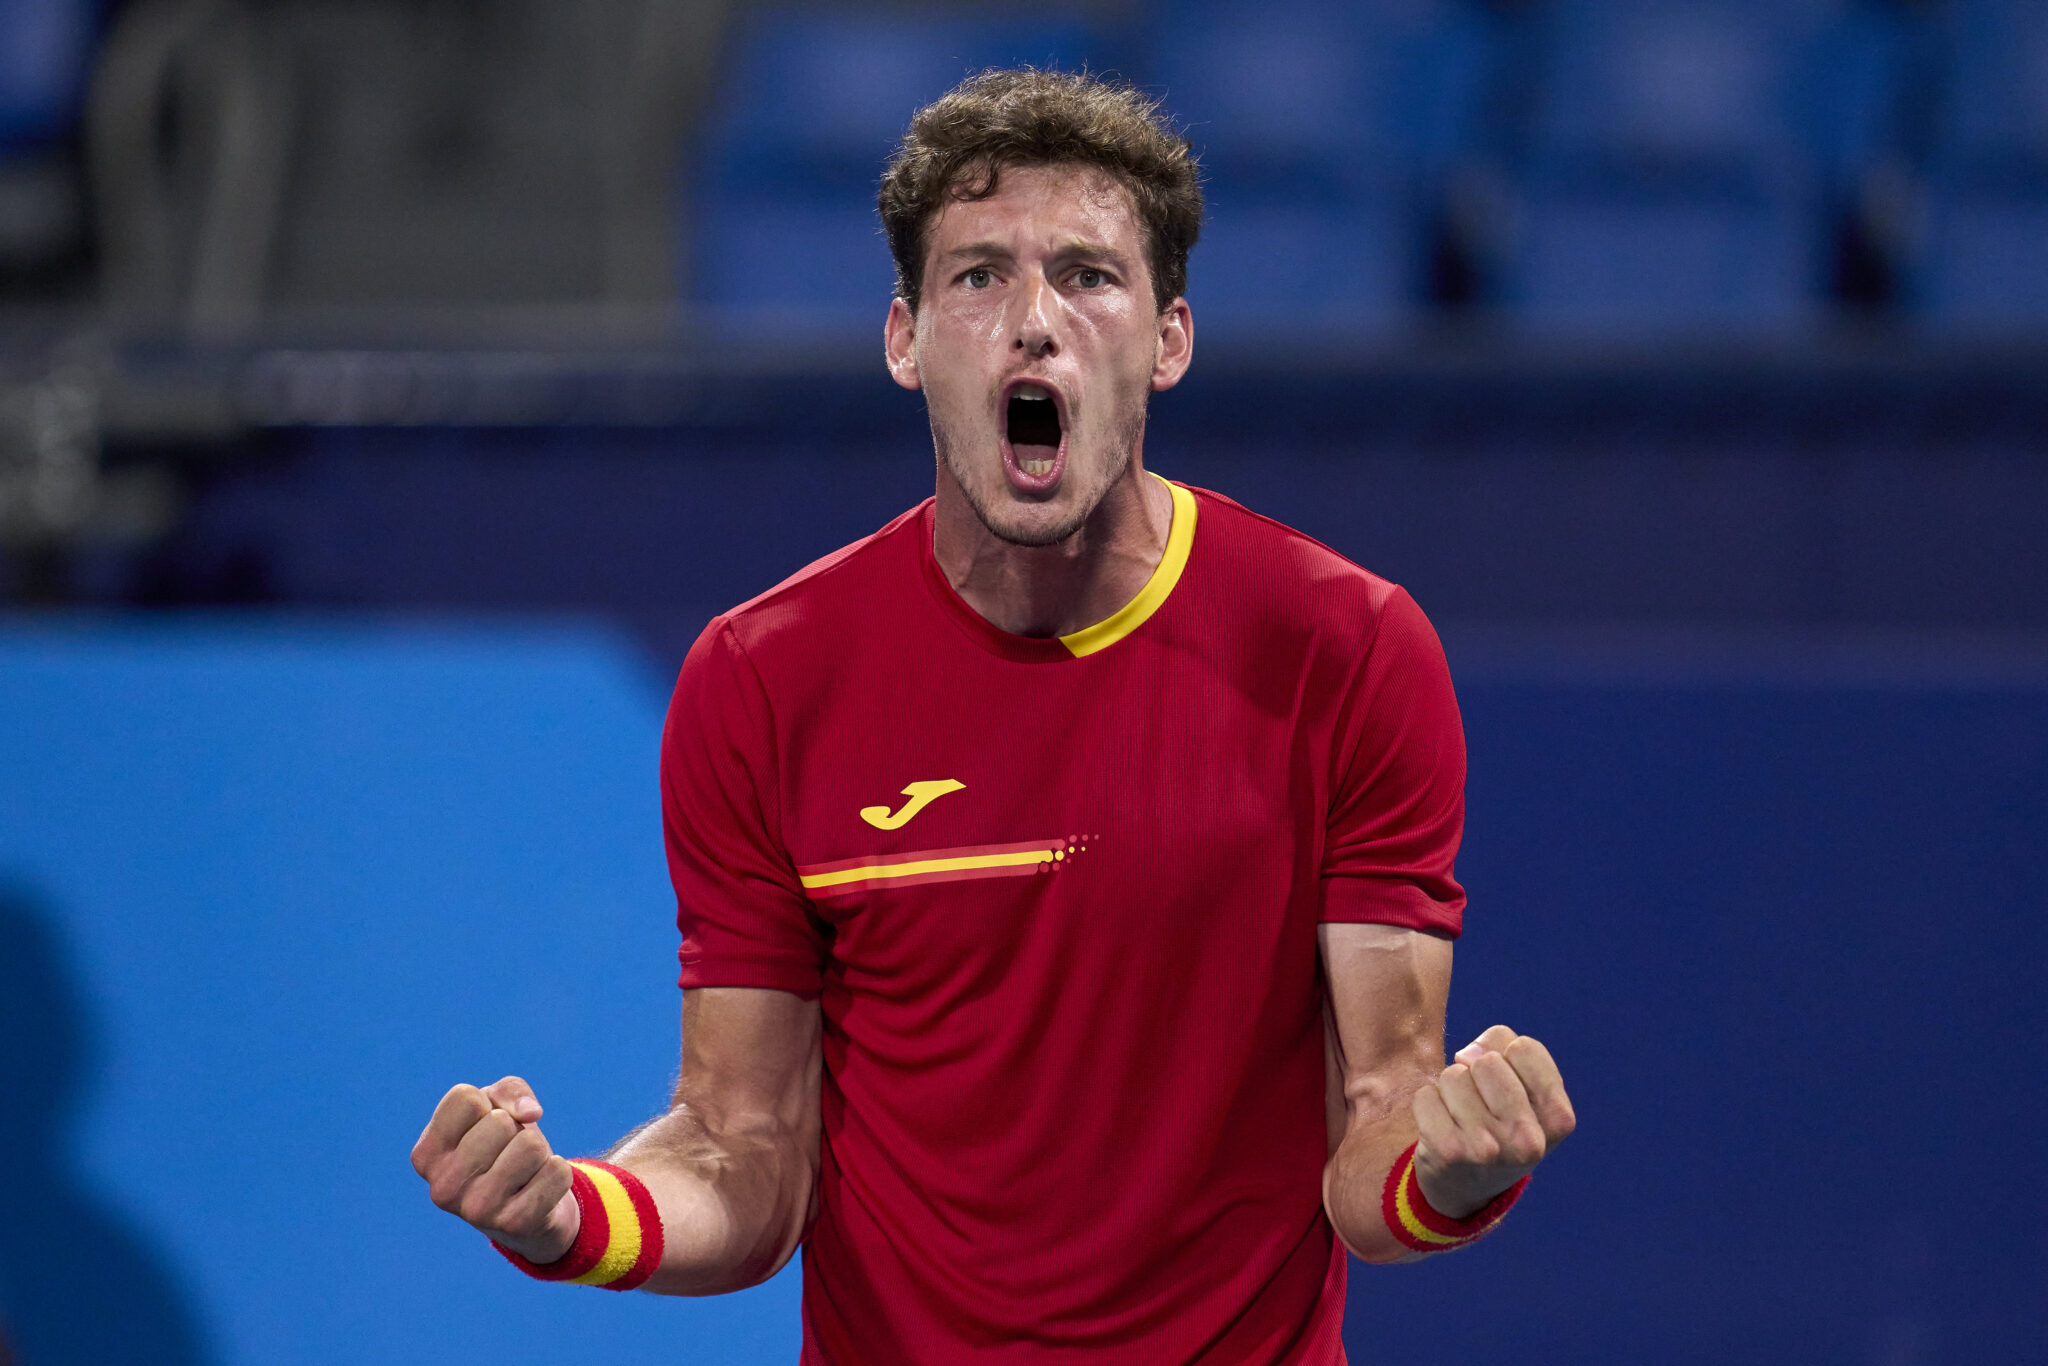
x=1035, y=333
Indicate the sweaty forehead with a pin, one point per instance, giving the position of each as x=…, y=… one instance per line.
x=1041, y=205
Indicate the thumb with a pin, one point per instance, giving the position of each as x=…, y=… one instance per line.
x=515, y=1098
x=1495, y=1039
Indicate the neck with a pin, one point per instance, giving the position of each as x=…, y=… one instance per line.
x=1055, y=590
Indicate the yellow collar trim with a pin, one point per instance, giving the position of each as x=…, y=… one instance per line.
x=1180, y=539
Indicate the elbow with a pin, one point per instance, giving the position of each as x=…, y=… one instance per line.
x=1359, y=1227
x=1373, y=1246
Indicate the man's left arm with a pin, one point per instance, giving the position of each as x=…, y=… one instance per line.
x=1478, y=1126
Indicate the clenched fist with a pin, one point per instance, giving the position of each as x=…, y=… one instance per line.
x=1487, y=1120
x=485, y=1161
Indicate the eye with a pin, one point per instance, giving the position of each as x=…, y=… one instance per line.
x=1087, y=277
x=979, y=278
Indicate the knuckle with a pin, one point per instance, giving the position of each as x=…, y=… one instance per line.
x=462, y=1097
x=445, y=1194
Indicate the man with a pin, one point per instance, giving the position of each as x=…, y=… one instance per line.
x=1064, y=871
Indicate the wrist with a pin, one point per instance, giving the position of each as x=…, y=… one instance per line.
x=616, y=1242
x=1452, y=1198
x=1421, y=1226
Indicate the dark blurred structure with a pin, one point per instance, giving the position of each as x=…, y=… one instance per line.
x=46, y=50
x=1557, y=246
x=1723, y=310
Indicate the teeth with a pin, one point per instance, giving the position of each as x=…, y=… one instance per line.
x=1035, y=466
x=1031, y=391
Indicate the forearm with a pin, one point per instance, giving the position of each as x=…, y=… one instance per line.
x=1385, y=1042
x=732, y=1168
x=735, y=1199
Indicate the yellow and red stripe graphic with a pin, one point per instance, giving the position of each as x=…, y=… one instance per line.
x=931, y=865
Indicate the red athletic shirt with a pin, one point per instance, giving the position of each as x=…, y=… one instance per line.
x=1058, y=899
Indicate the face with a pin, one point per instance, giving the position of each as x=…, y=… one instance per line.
x=1037, y=344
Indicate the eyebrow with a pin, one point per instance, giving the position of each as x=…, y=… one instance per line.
x=976, y=249
x=1069, y=246
x=1082, y=246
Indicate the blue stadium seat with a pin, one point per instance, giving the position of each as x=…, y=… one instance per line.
x=1595, y=259
x=45, y=47
x=1996, y=110
x=1324, y=132
x=1678, y=165
x=1982, y=266
x=1980, y=262
x=784, y=236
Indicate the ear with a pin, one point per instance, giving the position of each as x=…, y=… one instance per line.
x=899, y=344
x=1176, y=345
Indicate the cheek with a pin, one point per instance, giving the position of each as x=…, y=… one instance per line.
x=974, y=313
x=1117, y=328
x=971, y=324
x=1120, y=335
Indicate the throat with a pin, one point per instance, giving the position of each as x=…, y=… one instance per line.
x=1057, y=590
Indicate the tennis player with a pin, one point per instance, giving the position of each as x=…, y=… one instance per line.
x=1064, y=871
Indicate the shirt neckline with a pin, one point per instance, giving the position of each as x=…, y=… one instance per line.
x=1089, y=640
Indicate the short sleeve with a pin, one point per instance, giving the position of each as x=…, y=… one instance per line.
x=739, y=906
x=1397, y=803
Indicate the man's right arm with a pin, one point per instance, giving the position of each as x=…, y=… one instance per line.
x=732, y=1166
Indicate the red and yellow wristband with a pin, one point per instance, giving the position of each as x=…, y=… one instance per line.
x=619, y=1243
x=1419, y=1227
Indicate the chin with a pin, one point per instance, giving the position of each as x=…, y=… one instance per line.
x=1031, y=525
x=1038, y=537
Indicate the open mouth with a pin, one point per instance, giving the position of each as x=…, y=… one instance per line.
x=1031, y=424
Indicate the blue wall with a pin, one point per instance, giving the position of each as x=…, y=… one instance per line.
x=1780, y=913
x=300, y=879
x=1778, y=908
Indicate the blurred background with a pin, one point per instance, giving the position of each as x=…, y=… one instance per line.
x=391, y=389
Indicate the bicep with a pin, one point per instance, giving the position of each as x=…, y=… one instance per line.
x=1387, y=989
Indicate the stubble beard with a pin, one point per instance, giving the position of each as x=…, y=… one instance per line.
x=1123, y=442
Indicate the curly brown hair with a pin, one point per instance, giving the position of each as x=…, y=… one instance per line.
x=958, y=146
